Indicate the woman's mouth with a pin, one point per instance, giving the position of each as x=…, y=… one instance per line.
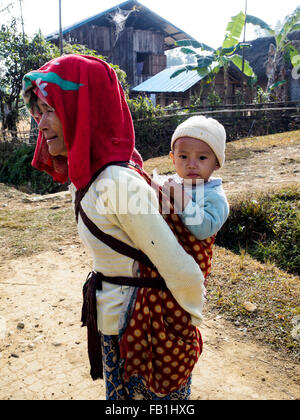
x=51, y=139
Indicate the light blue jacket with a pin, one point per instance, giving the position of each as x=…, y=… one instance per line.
x=208, y=210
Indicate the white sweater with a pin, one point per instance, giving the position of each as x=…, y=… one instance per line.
x=123, y=205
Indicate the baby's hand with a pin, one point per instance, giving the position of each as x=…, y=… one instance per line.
x=175, y=192
x=172, y=188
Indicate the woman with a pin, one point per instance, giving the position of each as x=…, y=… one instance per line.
x=86, y=135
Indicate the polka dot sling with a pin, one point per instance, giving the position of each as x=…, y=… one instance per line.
x=160, y=343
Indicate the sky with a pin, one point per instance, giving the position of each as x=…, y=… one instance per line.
x=206, y=21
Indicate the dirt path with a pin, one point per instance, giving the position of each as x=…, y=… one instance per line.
x=43, y=349
x=43, y=354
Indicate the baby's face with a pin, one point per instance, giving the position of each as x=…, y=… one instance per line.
x=193, y=159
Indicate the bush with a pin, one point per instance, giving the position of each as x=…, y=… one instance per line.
x=17, y=171
x=267, y=227
x=142, y=108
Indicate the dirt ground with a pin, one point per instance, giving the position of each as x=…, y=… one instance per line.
x=43, y=348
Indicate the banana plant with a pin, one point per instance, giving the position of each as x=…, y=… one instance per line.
x=211, y=61
x=283, y=52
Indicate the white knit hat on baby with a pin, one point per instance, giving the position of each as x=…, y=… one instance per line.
x=206, y=129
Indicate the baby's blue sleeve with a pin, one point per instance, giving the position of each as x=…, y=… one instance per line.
x=205, y=218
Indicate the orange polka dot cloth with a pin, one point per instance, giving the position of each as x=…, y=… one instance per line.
x=159, y=342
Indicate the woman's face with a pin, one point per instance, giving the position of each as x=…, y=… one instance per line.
x=52, y=129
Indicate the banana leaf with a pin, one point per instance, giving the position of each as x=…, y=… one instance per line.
x=290, y=21
x=194, y=44
x=188, y=51
x=275, y=85
x=177, y=73
x=232, y=50
x=294, y=55
x=296, y=27
x=205, y=61
x=238, y=61
x=234, y=30
x=258, y=22
x=184, y=69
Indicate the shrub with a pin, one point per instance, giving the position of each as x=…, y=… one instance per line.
x=267, y=227
x=17, y=171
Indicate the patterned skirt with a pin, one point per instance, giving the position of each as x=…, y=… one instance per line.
x=134, y=389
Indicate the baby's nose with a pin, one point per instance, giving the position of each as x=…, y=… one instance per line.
x=193, y=163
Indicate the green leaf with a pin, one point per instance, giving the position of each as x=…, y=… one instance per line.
x=182, y=70
x=234, y=30
x=258, y=22
x=194, y=44
x=229, y=42
x=203, y=71
x=188, y=51
x=205, y=61
x=275, y=85
x=238, y=61
x=234, y=48
x=291, y=20
x=177, y=73
x=295, y=27
x=294, y=55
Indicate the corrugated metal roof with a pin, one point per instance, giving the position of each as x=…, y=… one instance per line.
x=162, y=82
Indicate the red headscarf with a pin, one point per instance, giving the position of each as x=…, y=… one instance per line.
x=90, y=103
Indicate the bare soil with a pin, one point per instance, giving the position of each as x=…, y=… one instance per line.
x=43, y=348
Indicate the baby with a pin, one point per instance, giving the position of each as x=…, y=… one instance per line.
x=197, y=150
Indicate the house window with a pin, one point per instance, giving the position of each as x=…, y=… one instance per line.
x=143, y=64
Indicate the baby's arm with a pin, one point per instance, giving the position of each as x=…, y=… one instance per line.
x=206, y=220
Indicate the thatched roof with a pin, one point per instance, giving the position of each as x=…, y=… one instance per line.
x=257, y=54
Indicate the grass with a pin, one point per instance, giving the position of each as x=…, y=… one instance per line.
x=23, y=231
x=240, y=149
x=267, y=224
x=237, y=279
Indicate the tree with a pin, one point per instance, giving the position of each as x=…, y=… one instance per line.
x=18, y=55
x=210, y=63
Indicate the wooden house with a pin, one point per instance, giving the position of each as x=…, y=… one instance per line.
x=163, y=90
x=129, y=35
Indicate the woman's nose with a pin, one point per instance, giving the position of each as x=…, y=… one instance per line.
x=42, y=125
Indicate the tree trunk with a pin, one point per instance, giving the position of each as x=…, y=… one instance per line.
x=11, y=119
x=2, y=120
x=226, y=85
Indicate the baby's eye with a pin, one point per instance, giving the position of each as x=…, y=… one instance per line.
x=182, y=156
x=203, y=157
